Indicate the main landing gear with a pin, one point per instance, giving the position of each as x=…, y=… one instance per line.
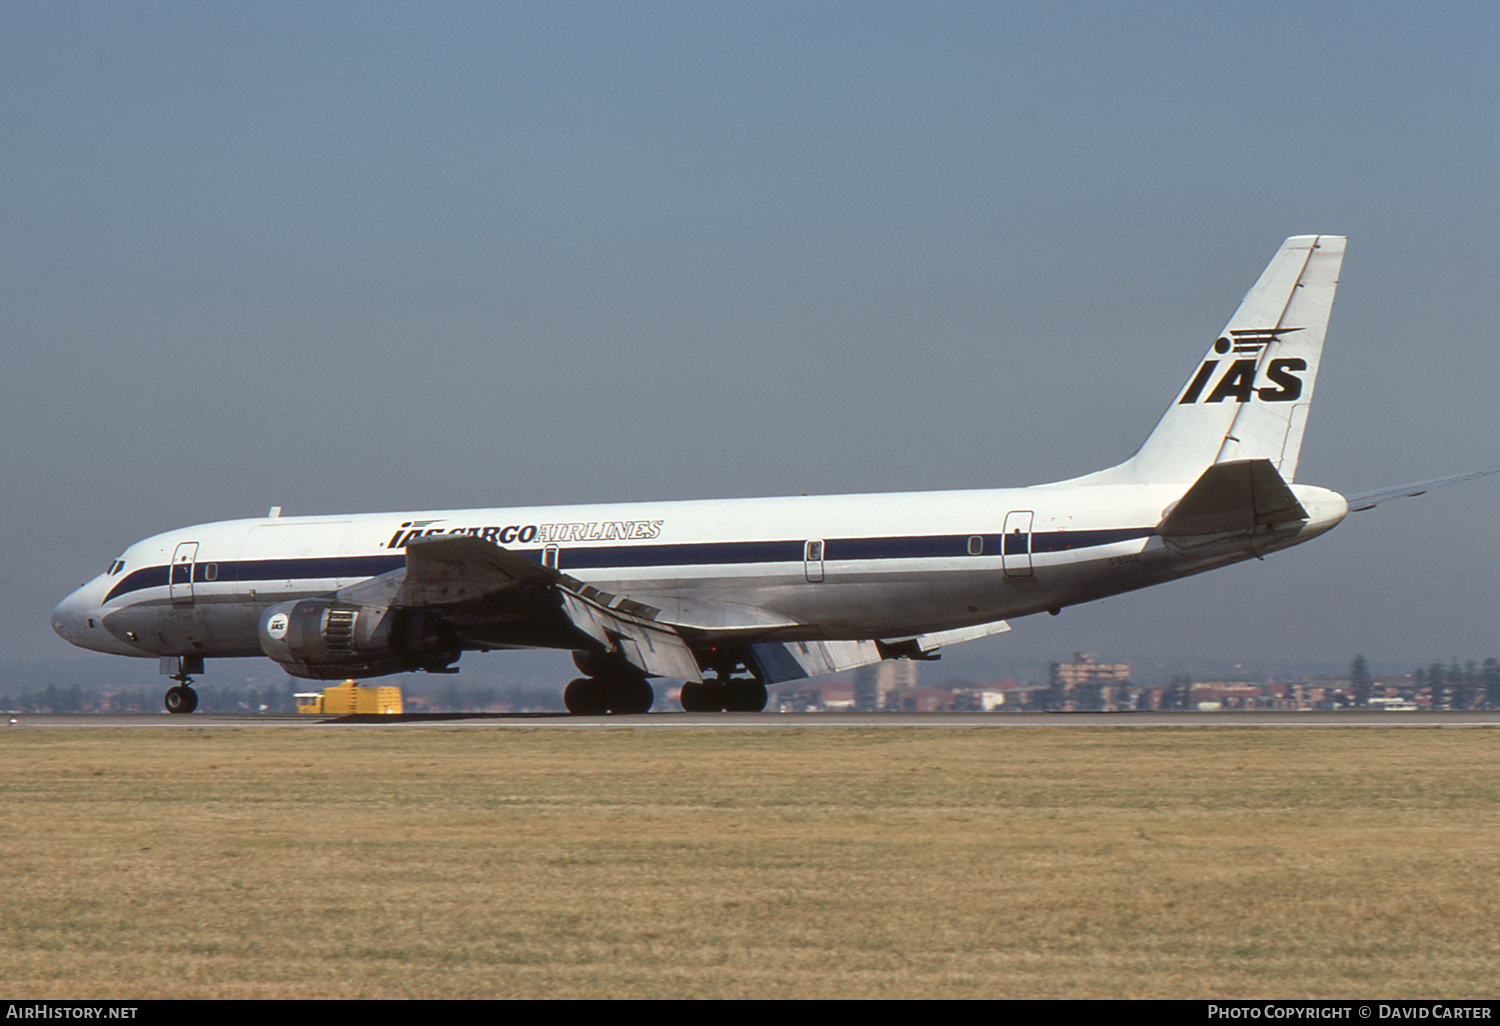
x=181, y=698
x=612, y=686
x=597, y=696
x=732, y=695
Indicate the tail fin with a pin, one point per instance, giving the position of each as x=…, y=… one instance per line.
x=1249, y=397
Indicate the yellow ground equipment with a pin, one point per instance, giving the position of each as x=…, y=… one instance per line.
x=350, y=698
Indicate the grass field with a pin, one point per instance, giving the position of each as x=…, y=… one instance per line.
x=978, y=863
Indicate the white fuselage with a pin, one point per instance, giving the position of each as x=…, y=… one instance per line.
x=796, y=568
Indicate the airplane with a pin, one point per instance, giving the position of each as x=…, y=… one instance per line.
x=732, y=595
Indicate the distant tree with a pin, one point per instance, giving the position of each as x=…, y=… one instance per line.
x=1179, y=693
x=1437, y=697
x=452, y=701
x=1360, y=681
x=1468, y=688
x=1488, y=683
x=1056, y=695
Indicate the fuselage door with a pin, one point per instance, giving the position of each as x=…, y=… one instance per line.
x=1015, y=551
x=180, y=581
x=812, y=560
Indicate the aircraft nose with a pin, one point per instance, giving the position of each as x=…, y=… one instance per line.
x=79, y=620
x=68, y=615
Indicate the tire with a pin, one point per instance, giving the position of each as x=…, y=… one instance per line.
x=180, y=700
x=630, y=696
x=746, y=698
x=584, y=697
x=699, y=697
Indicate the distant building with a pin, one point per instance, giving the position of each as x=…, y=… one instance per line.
x=1087, y=685
x=1000, y=695
x=921, y=700
x=873, y=684
x=811, y=696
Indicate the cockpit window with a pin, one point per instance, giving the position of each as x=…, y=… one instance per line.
x=115, y=568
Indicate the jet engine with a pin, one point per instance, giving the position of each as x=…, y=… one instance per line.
x=323, y=639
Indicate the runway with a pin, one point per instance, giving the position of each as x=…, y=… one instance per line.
x=1267, y=719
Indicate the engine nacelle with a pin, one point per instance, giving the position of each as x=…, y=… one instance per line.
x=322, y=639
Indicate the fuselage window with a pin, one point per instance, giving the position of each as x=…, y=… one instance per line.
x=814, y=551
x=976, y=545
x=211, y=572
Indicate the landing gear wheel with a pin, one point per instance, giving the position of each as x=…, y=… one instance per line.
x=630, y=695
x=750, y=697
x=181, y=699
x=592, y=696
x=702, y=696
x=586, y=697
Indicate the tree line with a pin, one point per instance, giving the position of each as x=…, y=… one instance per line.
x=1469, y=685
x=275, y=698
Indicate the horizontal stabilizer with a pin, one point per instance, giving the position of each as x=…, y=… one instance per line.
x=1369, y=500
x=1235, y=496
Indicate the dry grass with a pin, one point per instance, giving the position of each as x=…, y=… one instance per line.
x=500, y=863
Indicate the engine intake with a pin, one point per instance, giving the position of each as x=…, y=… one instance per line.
x=322, y=639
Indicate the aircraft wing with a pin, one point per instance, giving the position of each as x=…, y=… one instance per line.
x=461, y=573
x=454, y=572
x=449, y=570
x=1369, y=500
x=445, y=569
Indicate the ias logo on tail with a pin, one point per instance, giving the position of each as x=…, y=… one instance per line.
x=1237, y=381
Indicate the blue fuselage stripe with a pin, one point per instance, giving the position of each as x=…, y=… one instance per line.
x=582, y=557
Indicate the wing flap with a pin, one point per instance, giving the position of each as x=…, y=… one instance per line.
x=654, y=648
x=929, y=642
x=795, y=660
x=780, y=661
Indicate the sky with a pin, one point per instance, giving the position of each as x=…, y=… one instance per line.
x=344, y=257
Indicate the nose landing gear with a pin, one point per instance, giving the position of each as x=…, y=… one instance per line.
x=181, y=698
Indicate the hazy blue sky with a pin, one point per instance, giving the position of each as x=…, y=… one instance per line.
x=358, y=256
